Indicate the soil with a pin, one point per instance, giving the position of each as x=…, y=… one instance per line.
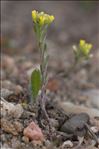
x=19, y=57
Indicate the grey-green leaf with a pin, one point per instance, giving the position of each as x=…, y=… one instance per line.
x=35, y=82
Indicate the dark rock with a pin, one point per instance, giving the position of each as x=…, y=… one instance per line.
x=76, y=125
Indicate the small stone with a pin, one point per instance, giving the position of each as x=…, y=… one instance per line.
x=25, y=139
x=9, y=65
x=8, y=127
x=7, y=84
x=76, y=124
x=17, y=112
x=18, y=126
x=11, y=127
x=9, y=109
x=15, y=89
x=67, y=144
x=5, y=107
x=8, y=62
x=69, y=107
x=33, y=132
x=95, y=129
x=5, y=93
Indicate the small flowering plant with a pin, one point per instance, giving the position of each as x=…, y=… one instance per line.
x=39, y=77
x=82, y=51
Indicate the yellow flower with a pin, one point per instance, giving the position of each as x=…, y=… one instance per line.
x=51, y=18
x=82, y=42
x=85, y=47
x=89, y=46
x=34, y=15
x=42, y=18
x=82, y=50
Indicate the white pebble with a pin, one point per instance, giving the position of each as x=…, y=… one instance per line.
x=67, y=144
x=94, y=129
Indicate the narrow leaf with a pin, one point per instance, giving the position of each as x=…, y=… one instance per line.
x=35, y=82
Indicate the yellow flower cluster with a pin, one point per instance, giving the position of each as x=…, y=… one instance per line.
x=82, y=50
x=42, y=18
x=85, y=47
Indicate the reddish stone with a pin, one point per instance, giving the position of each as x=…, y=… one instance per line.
x=33, y=132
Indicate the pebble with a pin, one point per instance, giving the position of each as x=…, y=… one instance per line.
x=95, y=129
x=69, y=107
x=11, y=128
x=9, y=109
x=9, y=65
x=67, y=144
x=76, y=124
x=33, y=132
x=25, y=139
x=5, y=107
x=6, y=84
x=18, y=126
x=5, y=93
x=17, y=112
x=8, y=127
x=7, y=62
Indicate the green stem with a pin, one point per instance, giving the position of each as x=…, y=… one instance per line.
x=41, y=37
x=43, y=64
